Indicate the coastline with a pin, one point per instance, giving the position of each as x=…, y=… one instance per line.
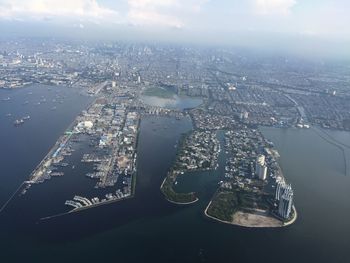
x=186, y=203
x=295, y=217
x=76, y=210
x=175, y=202
x=252, y=225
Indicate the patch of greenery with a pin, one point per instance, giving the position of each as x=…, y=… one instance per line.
x=251, y=200
x=171, y=195
x=223, y=205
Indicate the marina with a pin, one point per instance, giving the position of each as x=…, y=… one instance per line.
x=111, y=223
x=112, y=131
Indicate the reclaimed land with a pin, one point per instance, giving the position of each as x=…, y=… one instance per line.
x=177, y=170
x=235, y=208
x=174, y=197
x=167, y=185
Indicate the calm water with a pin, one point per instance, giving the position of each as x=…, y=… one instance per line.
x=147, y=228
x=176, y=102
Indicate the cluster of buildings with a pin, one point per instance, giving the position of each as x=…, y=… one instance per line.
x=204, y=120
x=252, y=170
x=243, y=147
x=326, y=110
x=23, y=64
x=284, y=199
x=79, y=202
x=114, y=136
x=199, y=150
x=260, y=167
x=230, y=82
x=238, y=97
x=53, y=163
x=106, y=136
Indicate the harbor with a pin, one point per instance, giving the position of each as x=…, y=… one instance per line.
x=121, y=223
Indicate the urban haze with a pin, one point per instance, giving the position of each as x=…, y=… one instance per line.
x=174, y=131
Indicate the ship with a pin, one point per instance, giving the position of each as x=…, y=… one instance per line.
x=57, y=174
x=18, y=122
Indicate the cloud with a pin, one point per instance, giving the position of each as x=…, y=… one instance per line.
x=153, y=13
x=169, y=13
x=274, y=7
x=44, y=9
x=152, y=17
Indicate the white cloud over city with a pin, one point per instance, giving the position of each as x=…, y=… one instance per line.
x=274, y=7
x=38, y=9
x=304, y=17
x=171, y=13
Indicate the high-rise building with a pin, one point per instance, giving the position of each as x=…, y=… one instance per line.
x=284, y=197
x=262, y=172
x=279, y=188
x=244, y=115
x=260, y=160
x=285, y=203
x=260, y=167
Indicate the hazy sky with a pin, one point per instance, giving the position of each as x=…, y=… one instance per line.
x=214, y=21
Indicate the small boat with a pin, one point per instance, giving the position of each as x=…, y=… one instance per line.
x=6, y=99
x=18, y=122
x=8, y=115
x=57, y=174
x=26, y=117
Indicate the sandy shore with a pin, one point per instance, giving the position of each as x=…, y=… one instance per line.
x=252, y=220
x=174, y=202
x=182, y=203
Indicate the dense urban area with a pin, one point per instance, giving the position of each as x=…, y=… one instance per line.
x=239, y=92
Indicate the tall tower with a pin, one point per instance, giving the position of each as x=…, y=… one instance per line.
x=260, y=167
x=285, y=203
x=262, y=172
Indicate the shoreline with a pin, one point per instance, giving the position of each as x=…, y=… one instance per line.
x=251, y=226
x=179, y=203
x=174, y=202
x=329, y=139
x=76, y=210
x=295, y=217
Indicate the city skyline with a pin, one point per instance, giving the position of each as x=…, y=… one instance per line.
x=305, y=27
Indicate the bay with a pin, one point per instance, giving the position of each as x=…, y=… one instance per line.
x=147, y=228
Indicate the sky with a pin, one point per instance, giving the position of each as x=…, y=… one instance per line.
x=297, y=24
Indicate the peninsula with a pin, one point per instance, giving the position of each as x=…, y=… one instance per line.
x=254, y=192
